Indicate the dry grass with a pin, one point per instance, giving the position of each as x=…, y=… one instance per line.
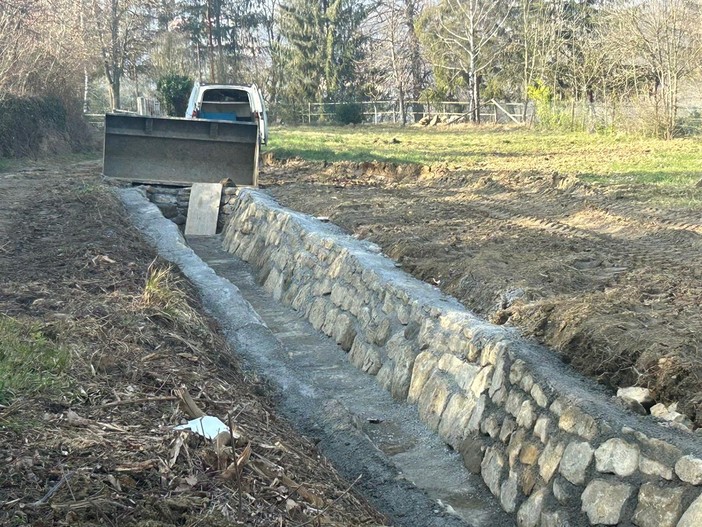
x=141, y=358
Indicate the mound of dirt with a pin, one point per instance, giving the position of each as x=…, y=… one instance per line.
x=97, y=446
x=611, y=284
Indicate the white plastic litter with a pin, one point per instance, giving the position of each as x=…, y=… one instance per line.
x=207, y=426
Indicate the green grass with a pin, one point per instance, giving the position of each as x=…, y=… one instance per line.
x=596, y=158
x=29, y=362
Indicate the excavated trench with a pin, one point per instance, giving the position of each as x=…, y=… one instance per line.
x=549, y=445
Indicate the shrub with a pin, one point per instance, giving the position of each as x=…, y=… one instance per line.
x=348, y=113
x=32, y=126
x=174, y=92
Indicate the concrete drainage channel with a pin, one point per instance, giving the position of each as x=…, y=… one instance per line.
x=550, y=446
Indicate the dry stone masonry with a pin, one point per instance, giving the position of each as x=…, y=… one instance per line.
x=554, y=448
x=173, y=203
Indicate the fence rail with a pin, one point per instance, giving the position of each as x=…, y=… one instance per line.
x=390, y=111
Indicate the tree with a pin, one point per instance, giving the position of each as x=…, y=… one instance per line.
x=122, y=31
x=466, y=38
x=394, y=61
x=665, y=36
x=174, y=90
x=319, y=48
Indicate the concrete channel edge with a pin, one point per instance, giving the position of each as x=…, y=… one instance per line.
x=253, y=341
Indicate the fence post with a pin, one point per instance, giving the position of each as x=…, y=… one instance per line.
x=309, y=113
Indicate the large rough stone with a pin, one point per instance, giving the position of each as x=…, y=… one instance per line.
x=562, y=490
x=433, y=400
x=530, y=453
x=618, y=457
x=654, y=468
x=638, y=394
x=515, y=446
x=454, y=420
x=576, y=458
x=554, y=519
x=693, y=514
x=344, y=331
x=603, y=501
x=514, y=401
x=509, y=492
x=530, y=512
x=365, y=357
x=516, y=371
x=477, y=416
x=490, y=426
x=402, y=374
x=574, y=420
x=658, y=506
x=463, y=372
x=689, y=469
x=424, y=365
x=471, y=450
x=541, y=428
x=527, y=479
x=491, y=469
x=526, y=415
x=499, y=374
x=481, y=381
x=508, y=427
x=550, y=458
x=318, y=313
x=539, y=396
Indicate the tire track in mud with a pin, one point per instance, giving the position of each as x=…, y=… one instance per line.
x=658, y=253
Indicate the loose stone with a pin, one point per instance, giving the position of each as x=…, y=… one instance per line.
x=638, y=394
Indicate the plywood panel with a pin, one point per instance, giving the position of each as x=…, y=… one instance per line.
x=203, y=209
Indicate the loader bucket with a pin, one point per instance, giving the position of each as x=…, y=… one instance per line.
x=171, y=151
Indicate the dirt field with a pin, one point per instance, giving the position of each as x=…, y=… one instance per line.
x=610, y=283
x=92, y=442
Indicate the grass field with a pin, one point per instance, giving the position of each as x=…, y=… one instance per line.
x=596, y=158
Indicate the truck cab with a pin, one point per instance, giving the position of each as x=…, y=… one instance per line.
x=227, y=102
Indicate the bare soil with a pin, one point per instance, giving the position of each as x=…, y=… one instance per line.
x=612, y=284
x=98, y=447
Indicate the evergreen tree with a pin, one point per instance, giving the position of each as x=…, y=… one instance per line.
x=319, y=47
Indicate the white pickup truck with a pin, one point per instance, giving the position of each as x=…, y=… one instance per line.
x=227, y=102
x=220, y=138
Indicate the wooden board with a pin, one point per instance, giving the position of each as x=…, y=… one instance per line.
x=203, y=209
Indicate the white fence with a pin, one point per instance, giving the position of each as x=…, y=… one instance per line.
x=386, y=112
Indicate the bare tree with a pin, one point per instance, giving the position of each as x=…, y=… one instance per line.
x=394, y=63
x=39, y=55
x=467, y=37
x=666, y=36
x=122, y=31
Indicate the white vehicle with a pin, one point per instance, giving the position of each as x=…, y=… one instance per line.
x=227, y=102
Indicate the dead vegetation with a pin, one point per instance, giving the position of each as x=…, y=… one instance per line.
x=134, y=358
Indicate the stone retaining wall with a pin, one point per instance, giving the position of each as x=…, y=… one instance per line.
x=173, y=203
x=553, y=447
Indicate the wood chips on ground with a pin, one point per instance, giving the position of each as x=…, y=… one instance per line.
x=98, y=446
